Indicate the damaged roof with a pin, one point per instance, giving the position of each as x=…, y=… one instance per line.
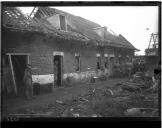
x=86, y=28
x=14, y=19
x=78, y=27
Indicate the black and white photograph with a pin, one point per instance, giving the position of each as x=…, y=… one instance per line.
x=74, y=61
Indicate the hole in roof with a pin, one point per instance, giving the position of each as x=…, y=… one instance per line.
x=12, y=13
x=16, y=16
x=18, y=13
x=9, y=15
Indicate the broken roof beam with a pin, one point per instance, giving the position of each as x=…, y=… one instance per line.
x=43, y=11
x=32, y=12
x=100, y=27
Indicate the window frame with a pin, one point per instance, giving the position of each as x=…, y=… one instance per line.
x=106, y=62
x=65, y=22
x=77, y=62
x=98, y=57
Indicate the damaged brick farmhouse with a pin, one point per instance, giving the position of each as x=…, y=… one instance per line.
x=50, y=38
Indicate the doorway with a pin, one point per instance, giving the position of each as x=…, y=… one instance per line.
x=98, y=63
x=58, y=74
x=19, y=63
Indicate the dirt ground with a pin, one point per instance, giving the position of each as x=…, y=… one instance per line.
x=100, y=99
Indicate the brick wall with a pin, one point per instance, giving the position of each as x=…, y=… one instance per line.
x=41, y=49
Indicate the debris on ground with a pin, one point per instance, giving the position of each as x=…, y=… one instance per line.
x=71, y=109
x=140, y=82
x=108, y=91
x=118, y=104
x=94, y=115
x=111, y=92
x=76, y=115
x=59, y=101
x=140, y=112
x=65, y=113
x=49, y=113
x=128, y=98
x=133, y=112
x=82, y=99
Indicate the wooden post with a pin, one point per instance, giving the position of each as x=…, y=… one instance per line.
x=53, y=75
x=13, y=76
x=28, y=59
x=53, y=82
x=61, y=69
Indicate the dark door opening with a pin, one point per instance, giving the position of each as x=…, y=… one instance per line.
x=98, y=63
x=78, y=63
x=58, y=70
x=19, y=64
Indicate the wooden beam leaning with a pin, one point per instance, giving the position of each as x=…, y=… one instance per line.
x=13, y=75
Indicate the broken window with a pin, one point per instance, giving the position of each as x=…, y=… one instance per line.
x=63, y=23
x=78, y=62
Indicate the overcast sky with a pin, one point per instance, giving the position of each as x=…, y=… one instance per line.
x=132, y=22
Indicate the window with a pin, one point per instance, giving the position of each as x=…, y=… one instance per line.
x=78, y=62
x=98, y=61
x=63, y=23
x=120, y=59
x=106, y=62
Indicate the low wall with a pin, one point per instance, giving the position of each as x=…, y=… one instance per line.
x=76, y=77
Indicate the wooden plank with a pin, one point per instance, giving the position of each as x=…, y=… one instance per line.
x=13, y=75
x=53, y=75
x=17, y=53
x=58, y=53
x=28, y=59
x=32, y=11
x=61, y=59
x=43, y=12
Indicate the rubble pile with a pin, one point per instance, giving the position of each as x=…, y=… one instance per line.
x=139, y=82
x=143, y=101
x=141, y=112
x=115, y=102
x=129, y=98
